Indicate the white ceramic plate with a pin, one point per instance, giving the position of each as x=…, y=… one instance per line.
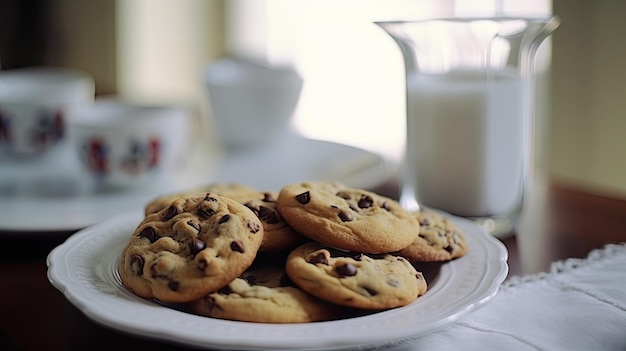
x=84, y=268
x=294, y=159
x=32, y=214
x=269, y=168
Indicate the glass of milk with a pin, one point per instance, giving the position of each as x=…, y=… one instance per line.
x=470, y=114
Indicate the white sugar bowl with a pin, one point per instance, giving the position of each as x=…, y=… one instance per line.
x=252, y=102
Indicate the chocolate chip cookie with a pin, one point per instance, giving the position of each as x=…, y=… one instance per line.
x=346, y=218
x=264, y=295
x=278, y=235
x=438, y=240
x=192, y=247
x=366, y=281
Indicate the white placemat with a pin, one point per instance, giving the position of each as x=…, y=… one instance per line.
x=580, y=304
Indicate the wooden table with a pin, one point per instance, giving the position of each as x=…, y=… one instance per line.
x=35, y=316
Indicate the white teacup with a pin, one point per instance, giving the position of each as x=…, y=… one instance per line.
x=33, y=107
x=252, y=102
x=124, y=145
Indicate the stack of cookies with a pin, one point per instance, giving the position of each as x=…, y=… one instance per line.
x=313, y=251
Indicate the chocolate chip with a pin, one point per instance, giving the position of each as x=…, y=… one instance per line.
x=268, y=215
x=267, y=197
x=136, y=264
x=346, y=270
x=254, y=227
x=365, y=201
x=319, y=258
x=370, y=291
x=153, y=271
x=385, y=205
x=236, y=246
x=224, y=219
x=209, y=303
x=205, y=213
x=304, y=198
x=149, y=233
x=170, y=213
x=345, y=216
x=173, y=285
x=425, y=222
x=194, y=225
x=196, y=246
x=449, y=248
x=210, y=198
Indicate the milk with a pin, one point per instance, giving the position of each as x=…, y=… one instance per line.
x=466, y=141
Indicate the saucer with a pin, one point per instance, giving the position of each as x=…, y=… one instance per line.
x=294, y=159
x=268, y=168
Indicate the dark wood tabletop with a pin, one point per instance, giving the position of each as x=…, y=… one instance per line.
x=35, y=316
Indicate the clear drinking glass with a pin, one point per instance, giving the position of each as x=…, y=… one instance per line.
x=470, y=114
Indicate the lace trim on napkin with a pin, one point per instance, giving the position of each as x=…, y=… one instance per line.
x=553, y=276
x=570, y=264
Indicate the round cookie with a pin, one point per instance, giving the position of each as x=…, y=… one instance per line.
x=353, y=279
x=264, y=295
x=439, y=240
x=194, y=246
x=278, y=235
x=350, y=219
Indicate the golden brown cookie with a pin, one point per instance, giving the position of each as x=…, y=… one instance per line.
x=438, y=240
x=192, y=247
x=366, y=281
x=346, y=218
x=264, y=295
x=278, y=235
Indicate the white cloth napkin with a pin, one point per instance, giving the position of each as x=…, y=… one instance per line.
x=579, y=305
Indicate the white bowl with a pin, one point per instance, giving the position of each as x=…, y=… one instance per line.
x=33, y=107
x=251, y=102
x=123, y=145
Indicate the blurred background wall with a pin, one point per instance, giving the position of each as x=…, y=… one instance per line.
x=157, y=49
x=588, y=120
x=67, y=33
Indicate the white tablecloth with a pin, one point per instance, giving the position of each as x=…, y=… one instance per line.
x=579, y=305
